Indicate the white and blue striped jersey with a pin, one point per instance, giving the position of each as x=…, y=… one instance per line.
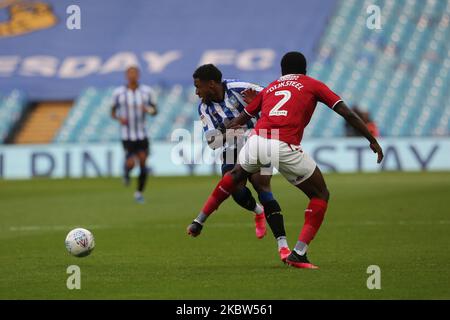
x=213, y=113
x=131, y=105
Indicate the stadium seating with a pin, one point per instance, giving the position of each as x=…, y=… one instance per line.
x=90, y=120
x=42, y=122
x=400, y=75
x=11, y=106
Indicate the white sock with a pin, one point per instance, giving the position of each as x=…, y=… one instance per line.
x=201, y=218
x=137, y=194
x=282, y=242
x=258, y=209
x=301, y=248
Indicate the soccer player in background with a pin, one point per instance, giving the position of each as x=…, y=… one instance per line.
x=221, y=102
x=286, y=107
x=131, y=103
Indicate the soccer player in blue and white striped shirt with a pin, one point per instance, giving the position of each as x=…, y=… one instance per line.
x=131, y=103
x=222, y=101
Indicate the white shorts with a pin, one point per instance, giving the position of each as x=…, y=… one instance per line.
x=261, y=154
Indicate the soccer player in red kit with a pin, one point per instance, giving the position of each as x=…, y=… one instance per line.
x=286, y=107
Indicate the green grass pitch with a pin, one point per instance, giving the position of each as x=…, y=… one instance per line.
x=398, y=221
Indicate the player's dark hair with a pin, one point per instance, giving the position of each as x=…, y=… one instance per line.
x=208, y=72
x=293, y=63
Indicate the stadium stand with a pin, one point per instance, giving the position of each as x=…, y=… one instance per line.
x=42, y=122
x=411, y=80
x=399, y=74
x=89, y=119
x=11, y=107
x=411, y=77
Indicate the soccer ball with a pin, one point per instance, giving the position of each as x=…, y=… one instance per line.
x=80, y=242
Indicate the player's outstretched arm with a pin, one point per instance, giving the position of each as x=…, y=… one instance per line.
x=217, y=138
x=249, y=95
x=240, y=120
x=356, y=122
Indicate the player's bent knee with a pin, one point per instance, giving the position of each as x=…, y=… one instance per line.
x=238, y=174
x=130, y=163
x=322, y=194
x=262, y=189
x=328, y=195
x=325, y=195
x=260, y=185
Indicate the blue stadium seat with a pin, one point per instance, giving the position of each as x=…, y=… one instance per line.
x=399, y=74
x=403, y=96
x=12, y=105
x=89, y=120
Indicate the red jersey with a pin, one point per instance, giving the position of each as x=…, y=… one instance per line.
x=287, y=104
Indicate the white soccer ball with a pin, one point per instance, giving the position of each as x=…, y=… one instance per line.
x=80, y=242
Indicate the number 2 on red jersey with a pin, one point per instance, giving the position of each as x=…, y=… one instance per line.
x=276, y=109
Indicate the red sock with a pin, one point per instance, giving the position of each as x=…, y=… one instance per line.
x=314, y=215
x=222, y=191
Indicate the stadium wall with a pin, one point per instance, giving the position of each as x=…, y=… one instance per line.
x=178, y=159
